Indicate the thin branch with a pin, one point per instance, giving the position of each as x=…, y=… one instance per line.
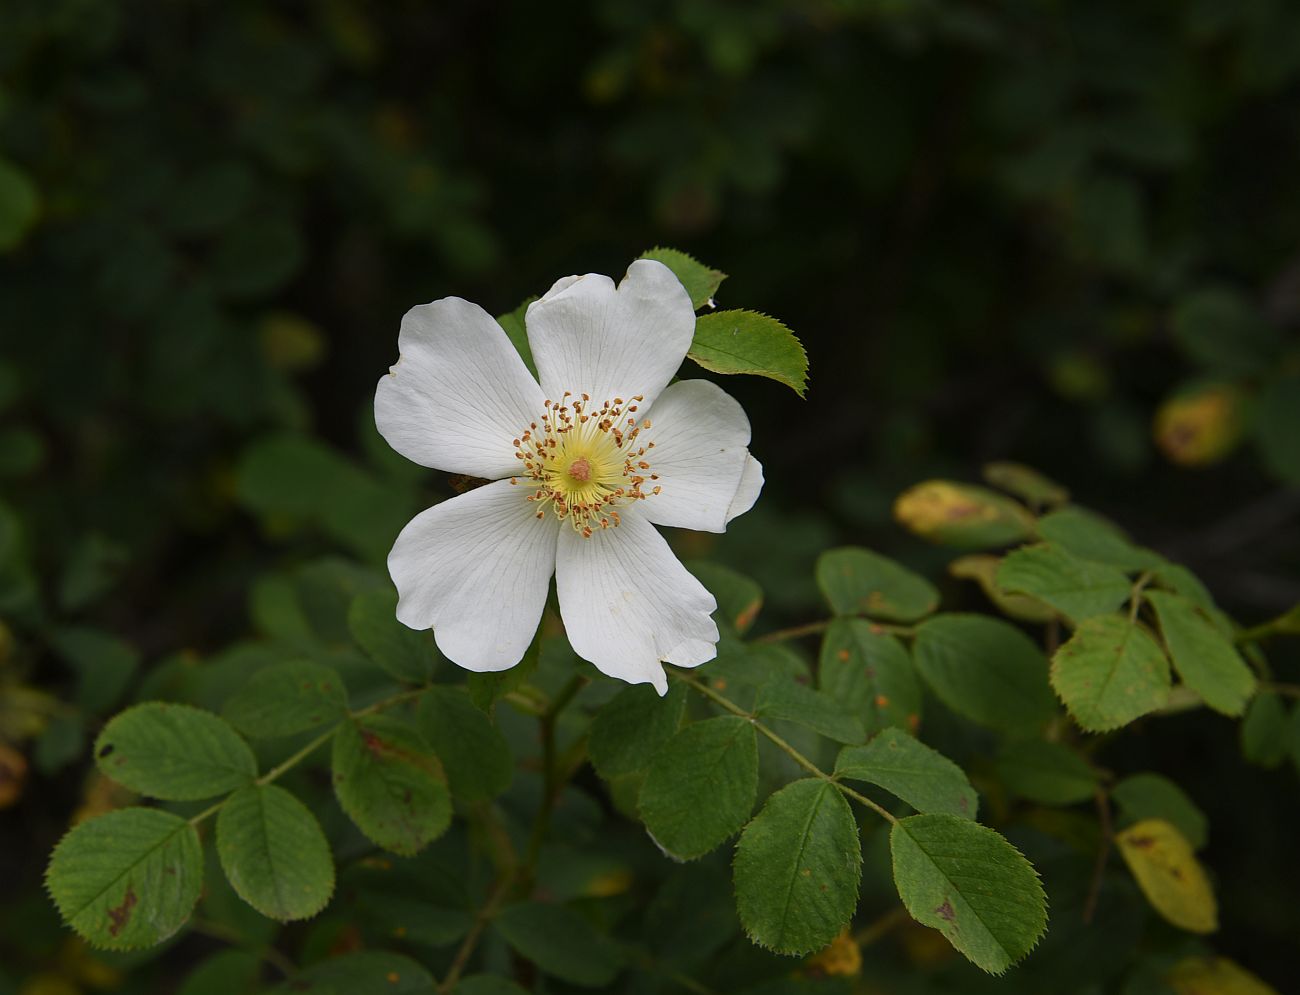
x=880, y=926
x=1103, y=854
x=280, y=769
x=220, y=931
x=1135, y=596
x=1290, y=690
x=481, y=920
x=730, y=706
x=794, y=632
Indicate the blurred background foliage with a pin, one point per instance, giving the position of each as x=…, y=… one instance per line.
x=1060, y=232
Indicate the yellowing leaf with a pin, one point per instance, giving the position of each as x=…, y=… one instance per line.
x=1169, y=874
x=842, y=958
x=1214, y=976
x=1201, y=425
x=962, y=515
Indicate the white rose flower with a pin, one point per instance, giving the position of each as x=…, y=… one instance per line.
x=583, y=467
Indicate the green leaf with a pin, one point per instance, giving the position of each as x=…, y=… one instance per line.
x=1025, y=483
x=295, y=479
x=1151, y=796
x=701, y=785
x=968, y=882
x=1046, y=772
x=91, y=571
x=1206, y=975
x=254, y=257
x=870, y=674
x=983, y=569
x=1277, y=428
x=859, y=582
x=739, y=598
x=174, y=752
x=287, y=698
x=1078, y=589
x=209, y=199
x=486, y=689
x=274, y=853
x=20, y=205
x=512, y=322
x=985, y=669
x=390, y=783
x=814, y=710
x=474, y=754
x=560, y=942
x=700, y=281
x=1169, y=874
x=488, y=984
x=1177, y=578
x=403, y=653
x=1264, y=730
x=797, y=868
x=127, y=879
x=962, y=515
x=21, y=451
x=1218, y=329
x=1206, y=661
x=907, y=768
x=749, y=342
x=104, y=665
x=227, y=972
x=1090, y=537
x=361, y=973
x=630, y=729
x=1110, y=672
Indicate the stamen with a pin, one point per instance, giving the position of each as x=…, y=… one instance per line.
x=584, y=460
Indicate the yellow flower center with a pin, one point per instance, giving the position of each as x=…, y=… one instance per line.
x=583, y=460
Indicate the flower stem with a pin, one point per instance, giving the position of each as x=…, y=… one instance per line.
x=552, y=779
x=556, y=771
x=730, y=706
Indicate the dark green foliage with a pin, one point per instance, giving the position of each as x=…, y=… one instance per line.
x=1059, y=233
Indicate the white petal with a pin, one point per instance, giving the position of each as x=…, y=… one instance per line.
x=458, y=394
x=751, y=482
x=628, y=603
x=476, y=569
x=692, y=653
x=700, y=433
x=588, y=337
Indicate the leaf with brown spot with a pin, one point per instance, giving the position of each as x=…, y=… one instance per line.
x=1167, y=871
x=128, y=879
x=858, y=581
x=390, y=783
x=968, y=882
